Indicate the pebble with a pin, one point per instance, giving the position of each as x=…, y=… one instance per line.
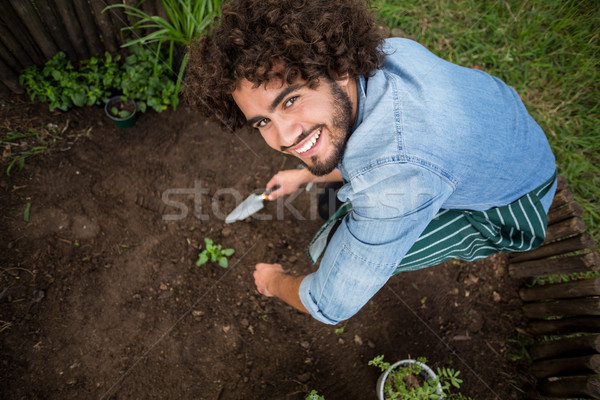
x=303, y=378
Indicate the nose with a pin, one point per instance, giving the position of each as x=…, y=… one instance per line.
x=289, y=132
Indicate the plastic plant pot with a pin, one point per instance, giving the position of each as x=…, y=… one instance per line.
x=426, y=373
x=121, y=121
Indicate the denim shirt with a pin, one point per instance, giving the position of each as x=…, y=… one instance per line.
x=428, y=135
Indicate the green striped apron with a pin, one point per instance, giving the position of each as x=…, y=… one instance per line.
x=462, y=234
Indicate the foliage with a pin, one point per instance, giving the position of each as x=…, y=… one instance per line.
x=139, y=77
x=314, y=395
x=399, y=384
x=63, y=86
x=147, y=82
x=214, y=253
x=186, y=21
x=549, y=51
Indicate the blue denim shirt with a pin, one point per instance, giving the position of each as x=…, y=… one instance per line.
x=428, y=134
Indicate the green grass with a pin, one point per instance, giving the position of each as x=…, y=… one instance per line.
x=548, y=50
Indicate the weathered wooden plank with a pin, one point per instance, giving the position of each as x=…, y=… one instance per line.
x=562, y=308
x=564, y=326
x=88, y=27
x=557, y=265
x=69, y=19
x=14, y=38
x=576, y=387
x=579, y=242
x=573, y=346
x=108, y=30
x=9, y=59
x=561, y=183
x=55, y=27
x=567, y=290
x=567, y=366
x=4, y=91
x=563, y=229
x=561, y=198
x=119, y=20
x=36, y=28
x=569, y=210
x=9, y=78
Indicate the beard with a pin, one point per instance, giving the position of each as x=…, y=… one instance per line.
x=339, y=130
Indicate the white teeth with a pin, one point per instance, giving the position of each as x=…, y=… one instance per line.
x=310, y=143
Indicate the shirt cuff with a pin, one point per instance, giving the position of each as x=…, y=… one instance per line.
x=308, y=302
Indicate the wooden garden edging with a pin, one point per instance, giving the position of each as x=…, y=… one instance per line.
x=564, y=317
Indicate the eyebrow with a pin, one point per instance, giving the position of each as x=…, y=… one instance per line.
x=276, y=101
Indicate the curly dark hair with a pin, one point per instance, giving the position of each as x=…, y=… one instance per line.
x=310, y=38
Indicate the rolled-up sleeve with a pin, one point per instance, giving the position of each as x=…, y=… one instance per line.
x=392, y=207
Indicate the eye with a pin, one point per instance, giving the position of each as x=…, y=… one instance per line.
x=290, y=101
x=261, y=123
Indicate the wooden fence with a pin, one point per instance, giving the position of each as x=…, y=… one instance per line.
x=564, y=317
x=33, y=31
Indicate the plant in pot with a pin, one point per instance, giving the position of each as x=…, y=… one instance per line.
x=414, y=380
x=122, y=110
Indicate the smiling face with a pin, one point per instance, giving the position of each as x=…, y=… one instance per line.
x=311, y=124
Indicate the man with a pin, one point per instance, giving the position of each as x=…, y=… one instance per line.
x=438, y=161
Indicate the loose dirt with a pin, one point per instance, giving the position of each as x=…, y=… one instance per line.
x=100, y=296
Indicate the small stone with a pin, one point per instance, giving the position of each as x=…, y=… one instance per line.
x=304, y=345
x=358, y=340
x=370, y=344
x=496, y=296
x=303, y=378
x=226, y=328
x=162, y=286
x=341, y=341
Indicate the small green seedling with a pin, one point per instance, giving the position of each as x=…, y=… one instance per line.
x=214, y=253
x=314, y=395
x=119, y=113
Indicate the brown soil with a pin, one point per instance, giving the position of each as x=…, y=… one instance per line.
x=100, y=296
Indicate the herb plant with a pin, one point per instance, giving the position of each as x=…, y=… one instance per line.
x=314, y=395
x=186, y=21
x=402, y=382
x=148, y=82
x=214, y=253
x=63, y=86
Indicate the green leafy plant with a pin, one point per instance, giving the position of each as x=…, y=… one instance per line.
x=214, y=253
x=63, y=86
x=314, y=395
x=186, y=21
x=148, y=82
x=403, y=382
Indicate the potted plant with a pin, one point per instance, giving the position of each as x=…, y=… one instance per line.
x=413, y=379
x=122, y=110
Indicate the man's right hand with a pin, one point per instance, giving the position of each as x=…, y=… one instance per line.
x=289, y=181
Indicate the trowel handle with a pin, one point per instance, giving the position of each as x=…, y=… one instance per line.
x=268, y=192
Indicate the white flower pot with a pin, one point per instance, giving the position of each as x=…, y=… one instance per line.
x=425, y=369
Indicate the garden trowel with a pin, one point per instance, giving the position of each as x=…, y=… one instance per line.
x=251, y=205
